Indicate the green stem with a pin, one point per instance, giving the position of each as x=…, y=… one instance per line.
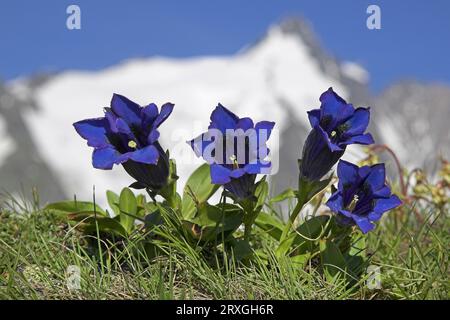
x=248, y=224
x=291, y=220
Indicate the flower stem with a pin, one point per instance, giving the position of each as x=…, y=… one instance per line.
x=291, y=220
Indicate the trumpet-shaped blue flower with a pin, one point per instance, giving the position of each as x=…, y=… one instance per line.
x=336, y=125
x=128, y=135
x=236, y=150
x=362, y=196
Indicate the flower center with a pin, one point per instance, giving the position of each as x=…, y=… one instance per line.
x=233, y=158
x=352, y=204
x=132, y=144
x=333, y=133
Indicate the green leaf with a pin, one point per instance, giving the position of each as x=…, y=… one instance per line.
x=198, y=190
x=305, y=238
x=286, y=194
x=105, y=224
x=300, y=260
x=153, y=219
x=271, y=224
x=356, y=257
x=211, y=222
x=241, y=250
x=333, y=262
x=308, y=189
x=113, y=201
x=128, y=209
x=68, y=207
x=261, y=192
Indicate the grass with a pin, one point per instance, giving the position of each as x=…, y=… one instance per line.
x=36, y=249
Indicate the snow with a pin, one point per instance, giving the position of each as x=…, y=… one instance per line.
x=7, y=144
x=355, y=72
x=249, y=83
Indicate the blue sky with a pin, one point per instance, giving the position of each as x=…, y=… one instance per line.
x=414, y=41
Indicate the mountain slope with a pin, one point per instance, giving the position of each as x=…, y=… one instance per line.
x=278, y=78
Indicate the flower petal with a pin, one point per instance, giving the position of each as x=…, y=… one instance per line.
x=376, y=177
x=348, y=174
x=220, y=174
x=383, y=205
x=264, y=125
x=334, y=109
x=148, y=155
x=363, y=223
x=259, y=167
x=357, y=123
x=384, y=192
x=149, y=114
x=237, y=173
x=105, y=158
x=335, y=202
x=314, y=117
x=111, y=117
x=153, y=136
x=223, y=119
x=361, y=139
x=126, y=109
x=166, y=110
x=245, y=124
x=331, y=145
x=94, y=131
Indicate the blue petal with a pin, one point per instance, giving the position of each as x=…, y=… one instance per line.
x=220, y=174
x=383, y=205
x=265, y=125
x=357, y=123
x=149, y=114
x=345, y=213
x=104, y=158
x=334, y=108
x=361, y=139
x=376, y=177
x=335, y=202
x=237, y=173
x=258, y=167
x=148, y=155
x=166, y=110
x=123, y=127
x=314, y=117
x=94, y=131
x=384, y=192
x=331, y=145
x=363, y=223
x=245, y=124
x=111, y=117
x=348, y=174
x=223, y=119
x=364, y=172
x=126, y=109
x=153, y=136
x=199, y=144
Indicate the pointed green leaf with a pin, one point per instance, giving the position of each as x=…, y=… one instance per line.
x=333, y=262
x=286, y=194
x=113, y=201
x=271, y=224
x=68, y=207
x=198, y=190
x=261, y=192
x=305, y=238
x=128, y=208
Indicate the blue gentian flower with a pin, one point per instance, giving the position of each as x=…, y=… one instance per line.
x=336, y=125
x=362, y=195
x=128, y=135
x=234, y=165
